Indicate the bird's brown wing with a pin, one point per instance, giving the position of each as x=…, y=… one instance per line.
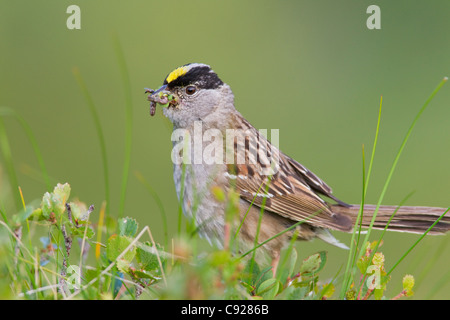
x=289, y=190
x=314, y=181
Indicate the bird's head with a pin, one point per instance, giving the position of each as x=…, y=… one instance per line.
x=190, y=93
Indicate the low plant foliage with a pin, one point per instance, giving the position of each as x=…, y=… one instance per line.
x=129, y=266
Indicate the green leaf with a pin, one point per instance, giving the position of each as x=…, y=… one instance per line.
x=293, y=293
x=251, y=272
x=328, y=290
x=79, y=232
x=116, y=245
x=287, y=268
x=128, y=227
x=314, y=263
x=378, y=294
x=56, y=201
x=363, y=264
x=31, y=213
x=47, y=205
x=292, y=261
x=306, y=280
x=247, y=286
x=143, y=274
x=62, y=191
x=36, y=215
x=123, y=265
x=90, y=274
x=269, y=288
x=146, y=259
x=77, y=210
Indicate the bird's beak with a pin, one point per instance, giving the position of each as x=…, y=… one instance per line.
x=162, y=88
x=160, y=96
x=155, y=92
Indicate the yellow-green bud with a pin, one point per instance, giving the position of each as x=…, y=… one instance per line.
x=378, y=259
x=408, y=282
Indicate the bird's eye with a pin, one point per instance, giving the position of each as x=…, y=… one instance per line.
x=190, y=90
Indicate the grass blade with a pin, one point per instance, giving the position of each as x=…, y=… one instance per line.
x=397, y=157
x=98, y=128
x=388, y=180
x=374, y=146
x=353, y=246
x=415, y=243
x=128, y=121
x=9, y=164
x=6, y=111
x=348, y=274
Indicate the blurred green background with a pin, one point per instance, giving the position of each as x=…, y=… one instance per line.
x=309, y=68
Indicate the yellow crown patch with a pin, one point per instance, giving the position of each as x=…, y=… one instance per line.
x=175, y=74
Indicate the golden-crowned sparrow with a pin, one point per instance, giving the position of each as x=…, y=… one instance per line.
x=223, y=150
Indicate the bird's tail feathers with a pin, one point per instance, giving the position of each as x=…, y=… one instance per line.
x=411, y=219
